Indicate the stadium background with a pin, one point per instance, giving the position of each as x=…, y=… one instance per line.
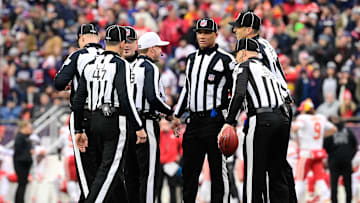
x=310, y=37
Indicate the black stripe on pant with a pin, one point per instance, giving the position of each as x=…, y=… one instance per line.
x=265, y=149
x=200, y=138
x=142, y=164
x=110, y=137
x=86, y=163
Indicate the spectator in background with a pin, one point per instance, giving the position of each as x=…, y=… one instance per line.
x=302, y=87
x=289, y=71
x=330, y=107
x=170, y=156
x=283, y=39
x=172, y=28
x=345, y=82
x=143, y=14
x=315, y=86
x=44, y=105
x=324, y=51
x=32, y=97
x=184, y=49
x=23, y=73
x=343, y=47
x=11, y=111
x=304, y=63
x=341, y=149
x=347, y=107
x=53, y=44
x=329, y=84
x=4, y=71
x=22, y=158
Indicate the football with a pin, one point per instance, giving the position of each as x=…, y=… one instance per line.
x=228, y=142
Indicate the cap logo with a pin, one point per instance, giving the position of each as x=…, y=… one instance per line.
x=203, y=23
x=127, y=32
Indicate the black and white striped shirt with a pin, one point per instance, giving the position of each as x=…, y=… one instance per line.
x=73, y=67
x=105, y=80
x=208, y=81
x=255, y=86
x=271, y=60
x=149, y=92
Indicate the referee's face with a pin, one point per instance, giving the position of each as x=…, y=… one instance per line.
x=130, y=48
x=206, y=38
x=241, y=32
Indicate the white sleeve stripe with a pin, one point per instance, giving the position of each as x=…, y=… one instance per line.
x=130, y=94
x=181, y=100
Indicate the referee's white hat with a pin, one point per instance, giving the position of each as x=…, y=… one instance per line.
x=150, y=39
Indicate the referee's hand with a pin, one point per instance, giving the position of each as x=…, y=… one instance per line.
x=81, y=141
x=175, y=126
x=141, y=136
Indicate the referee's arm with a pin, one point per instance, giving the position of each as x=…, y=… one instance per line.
x=238, y=94
x=182, y=102
x=78, y=104
x=67, y=72
x=151, y=89
x=124, y=90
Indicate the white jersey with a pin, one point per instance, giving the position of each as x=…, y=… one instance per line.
x=311, y=131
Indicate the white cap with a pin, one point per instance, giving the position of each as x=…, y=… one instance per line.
x=150, y=39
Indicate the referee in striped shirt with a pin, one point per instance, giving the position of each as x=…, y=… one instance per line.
x=144, y=159
x=70, y=72
x=105, y=83
x=247, y=25
x=257, y=90
x=205, y=95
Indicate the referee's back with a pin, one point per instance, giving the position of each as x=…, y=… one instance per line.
x=74, y=64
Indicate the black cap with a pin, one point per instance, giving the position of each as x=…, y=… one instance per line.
x=247, y=19
x=206, y=24
x=115, y=33
x=87, y=29
x=247, y=44
x=130, y=33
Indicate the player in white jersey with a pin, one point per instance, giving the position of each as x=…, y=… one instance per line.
x=310, y=130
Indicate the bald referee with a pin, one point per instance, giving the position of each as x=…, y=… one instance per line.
x=247, y=25
x=105, y=84
x=257, y=90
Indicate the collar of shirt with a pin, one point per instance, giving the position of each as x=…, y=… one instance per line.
x=133, y=57
x=106, y=52
x=256, y=37
x=208, y=51
x=93, y=45
x=146, y=57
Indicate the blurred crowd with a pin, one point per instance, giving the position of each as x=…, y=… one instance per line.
x=317, y=43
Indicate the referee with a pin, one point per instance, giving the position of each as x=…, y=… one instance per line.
x=267, y=130
x=205, y=95
x=144, y=159
x=130, y=53
x=105, y=83
x=247, y=25
x=70, y=72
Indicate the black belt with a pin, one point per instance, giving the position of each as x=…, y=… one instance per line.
x=266, y=110
x=148, y=115
x=206, y=114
